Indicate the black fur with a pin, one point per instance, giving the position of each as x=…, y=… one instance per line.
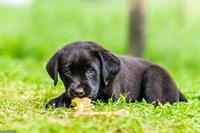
x=89, y=70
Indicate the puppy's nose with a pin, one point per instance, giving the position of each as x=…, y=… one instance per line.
x=79, y=92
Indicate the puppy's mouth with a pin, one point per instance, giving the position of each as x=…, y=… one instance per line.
x=76, y=95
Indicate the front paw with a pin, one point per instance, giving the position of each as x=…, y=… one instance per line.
x=57, y=102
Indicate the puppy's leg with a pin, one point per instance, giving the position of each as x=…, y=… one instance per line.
x=158, y=86
x=60, y=101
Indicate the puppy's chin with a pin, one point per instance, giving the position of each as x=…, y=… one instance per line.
x=71, y=96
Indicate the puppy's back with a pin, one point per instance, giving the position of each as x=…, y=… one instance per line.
x=129, y=62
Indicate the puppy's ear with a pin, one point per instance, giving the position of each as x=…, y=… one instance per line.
x=110, y=66
x=52, y=66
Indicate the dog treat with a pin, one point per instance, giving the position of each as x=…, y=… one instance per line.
x=81, y=103
x=83, y=106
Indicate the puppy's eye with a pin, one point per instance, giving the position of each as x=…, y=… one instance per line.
x=90, y=71
x=67, y=72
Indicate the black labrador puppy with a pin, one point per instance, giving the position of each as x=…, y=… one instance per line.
x=88, y=70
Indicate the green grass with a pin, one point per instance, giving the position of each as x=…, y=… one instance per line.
x=32, y=34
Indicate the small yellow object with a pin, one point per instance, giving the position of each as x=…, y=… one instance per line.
x=83, y=106
x=81, y=103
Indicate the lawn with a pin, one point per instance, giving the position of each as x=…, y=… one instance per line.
x=31, y=34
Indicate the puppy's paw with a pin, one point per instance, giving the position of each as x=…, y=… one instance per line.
x=55, y=103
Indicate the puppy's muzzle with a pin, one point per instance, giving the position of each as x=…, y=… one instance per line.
x=78, y=92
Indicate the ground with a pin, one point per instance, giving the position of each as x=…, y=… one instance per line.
x=26, y=45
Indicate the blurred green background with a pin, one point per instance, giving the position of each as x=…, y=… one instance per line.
x=32, y=31
x=36, y=29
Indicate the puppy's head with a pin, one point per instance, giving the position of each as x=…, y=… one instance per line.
x=84, y=67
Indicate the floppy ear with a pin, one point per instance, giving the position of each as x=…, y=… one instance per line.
x=52, y=67
x=110, y=66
